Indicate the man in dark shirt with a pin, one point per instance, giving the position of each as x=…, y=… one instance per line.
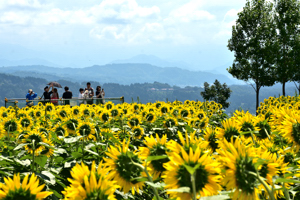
x=47, y=94
x=67, y=95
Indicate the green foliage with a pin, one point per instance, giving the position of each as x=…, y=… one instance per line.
x=287, y=18
x=217, y=92
x=252, y=42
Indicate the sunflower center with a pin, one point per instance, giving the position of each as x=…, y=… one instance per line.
x=75, y=111
x=114, y=112
x=137, y=132
x=231, y=131
x=63, y=113
x=184, y=177
x=86, y=112
x=85, y=130
x=264, y=129
x=264, y=170
x=10, y=126
x=25, y=122
x=149, y=117
x=72, y=124
x=170, y=122
x=127, y=170
x=213, y=141
x=247, y=126
x=184, y=113
x=296, y=132
x=158, y=150
x=105, y=117
x=244, y=180
x=164, y=109
x=134, y=121
x=19, y=194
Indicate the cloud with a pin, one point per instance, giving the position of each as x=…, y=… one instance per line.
x=20, y=4
x=190, y=12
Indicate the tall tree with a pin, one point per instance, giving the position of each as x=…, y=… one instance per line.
x=216, y=92
x=287, y=18
x=253, y=43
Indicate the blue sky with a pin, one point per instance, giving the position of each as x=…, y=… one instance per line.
x=82, y=33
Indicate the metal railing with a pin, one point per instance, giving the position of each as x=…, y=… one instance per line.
x=22, y=102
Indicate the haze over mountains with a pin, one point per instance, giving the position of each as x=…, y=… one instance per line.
x=126, y=73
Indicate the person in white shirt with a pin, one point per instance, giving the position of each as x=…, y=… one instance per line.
x=81, y=96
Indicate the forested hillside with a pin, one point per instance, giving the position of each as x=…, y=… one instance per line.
x=241, y=96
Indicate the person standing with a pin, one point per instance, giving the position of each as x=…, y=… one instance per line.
x=47, y=94
x=90, y=91
x=30, y=96
x=99, y=94
x=67, y=95
x=55, y=97
x=81, y=96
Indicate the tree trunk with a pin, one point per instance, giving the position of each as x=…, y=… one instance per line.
x=257, y=97
x=283, y=88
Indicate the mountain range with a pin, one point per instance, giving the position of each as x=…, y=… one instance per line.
x=122, y=73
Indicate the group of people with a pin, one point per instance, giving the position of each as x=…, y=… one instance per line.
x=88, y=94
x=52, y=96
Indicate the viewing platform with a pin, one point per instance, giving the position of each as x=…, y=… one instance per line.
x=21, y=102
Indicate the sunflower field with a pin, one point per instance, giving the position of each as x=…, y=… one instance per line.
x=163, y=150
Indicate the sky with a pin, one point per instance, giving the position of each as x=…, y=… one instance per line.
x=83, y=33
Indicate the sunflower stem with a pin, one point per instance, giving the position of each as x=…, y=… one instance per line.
x=194, y=185
x=151, y=180
x=286, y=192
x=33, y=156
x=264, y=184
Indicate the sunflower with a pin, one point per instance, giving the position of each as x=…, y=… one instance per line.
x=246, y=124
x=230, y=129
x=10, y=125
x=115, y=112
x=155, y=147
x=25, y=123
x=210, y=137
x=137, y=132
x=37, y=137
x=170, y=122
x=134, y=120
x=71, y=125
x=60, y=131
x=109, y=105
x=190, y=141
x=104, y=116
x=90, y=184
x=122, y=170
x=290, y=129
x=150, y=117
x=237, y=160
x=206, y=175
x=48, y=149
x=28, y=189
x=87, y=130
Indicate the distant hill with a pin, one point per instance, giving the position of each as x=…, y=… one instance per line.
x=127, y=73
x=154, y=60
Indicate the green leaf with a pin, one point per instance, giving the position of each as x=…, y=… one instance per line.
x=180, y=190
x=155, y=185
x=216, y=197
x=190, y=169
x=150, y=158
x=41, y=160
x=76, y=154
x=20, y=146
x=91, y=152
x=283, y=180
x=72, y=139
x=139, y=179
x=259, y=162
